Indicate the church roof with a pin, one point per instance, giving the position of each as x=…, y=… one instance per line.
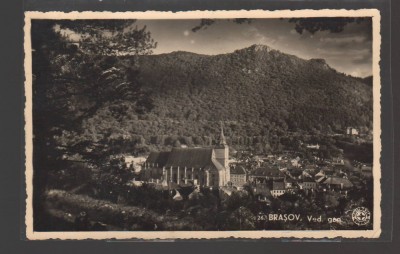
x=186, y=157
x=203, y=158
x=158, y=158
x=189, y=157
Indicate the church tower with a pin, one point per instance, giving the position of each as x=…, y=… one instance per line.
x=221, y=151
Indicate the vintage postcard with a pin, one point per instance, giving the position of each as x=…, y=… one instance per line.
x=203, y=125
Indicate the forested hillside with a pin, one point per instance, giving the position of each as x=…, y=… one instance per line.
x=259, y=93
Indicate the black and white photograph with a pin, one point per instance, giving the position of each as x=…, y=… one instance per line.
x=158, y=125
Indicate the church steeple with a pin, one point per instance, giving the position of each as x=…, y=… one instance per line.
x=221, y=154
x=222, y=140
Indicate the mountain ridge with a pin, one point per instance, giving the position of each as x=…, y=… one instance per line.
x=256, y=91
x=255, y=48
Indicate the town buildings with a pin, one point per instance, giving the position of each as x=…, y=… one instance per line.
x=238, y=176
x=266, y=173
x=336, y=183
x=278, y=188
x=351, y=131
x=308, y=183
x=366, y=170
x=272, y=176
x=207, y=167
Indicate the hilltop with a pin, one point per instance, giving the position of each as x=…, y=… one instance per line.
x=257, y=91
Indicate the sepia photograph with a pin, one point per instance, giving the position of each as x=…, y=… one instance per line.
x=193, y=125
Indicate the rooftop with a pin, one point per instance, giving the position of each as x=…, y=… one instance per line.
x=189, y=157
x=238, y=170
x=308, y=180
x=278, y=185
x=339, y=181
x=185, y=157
x=158, y=158
x=268, y=172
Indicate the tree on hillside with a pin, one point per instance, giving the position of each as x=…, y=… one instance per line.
x=74, y=74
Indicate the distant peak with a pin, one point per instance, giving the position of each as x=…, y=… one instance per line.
x=259, y=47
x=318, y=60
x=181, y=53
x=256, y=48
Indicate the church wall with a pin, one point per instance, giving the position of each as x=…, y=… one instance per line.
x=216, y=178
x=222, y=155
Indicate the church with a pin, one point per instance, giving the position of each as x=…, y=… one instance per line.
x=206, y=167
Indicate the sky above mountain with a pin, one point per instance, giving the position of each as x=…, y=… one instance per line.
x=349, y=51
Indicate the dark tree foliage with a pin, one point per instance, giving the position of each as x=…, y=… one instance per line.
x=74, y=76
x=333, y=25
x=262, y=95
x=204, y=23
x=111, y=37
x=312, y=25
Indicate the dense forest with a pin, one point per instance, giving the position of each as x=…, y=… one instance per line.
x=92, y=98
x=255, y=85
x=259, y=93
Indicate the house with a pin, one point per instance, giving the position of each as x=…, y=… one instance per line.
x=266, y=173
x=134, y=162
x=339, y=183
x=340, y=168
x=351, y=131
x=227, y=190
x=306, y=174
x=207, y=167
x=289, y=183
x=320, y=174
x=320, y=179
x=238, y=176
x=337, y=161
x=312, y=146
x=328, y=171
x=295, y=173
x=308, y=184
x=310, y=167
x=295, y=162
x=261, y=191
x=278, y=188
x=366, y=170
